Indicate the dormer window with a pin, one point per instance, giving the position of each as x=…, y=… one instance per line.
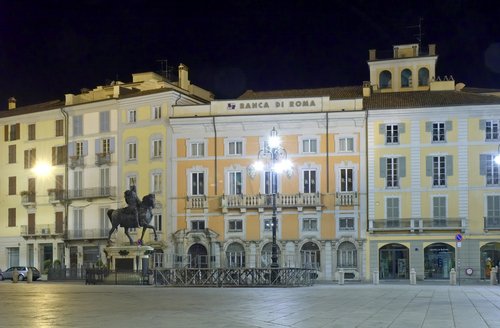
x=406, y=78
x=385, y=79
x=423, y=77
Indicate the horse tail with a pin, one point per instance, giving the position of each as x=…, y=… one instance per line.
x=110, y=213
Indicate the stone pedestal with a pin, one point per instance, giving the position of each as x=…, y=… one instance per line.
x=453, y=277
x=341, y=277
x=375, y=277
x=128, y=257
x=493, y=276
x=413, y=276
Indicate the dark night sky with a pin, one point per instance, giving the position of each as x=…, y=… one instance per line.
x=49, y=48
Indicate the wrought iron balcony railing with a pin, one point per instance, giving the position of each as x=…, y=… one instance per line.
x=491, y=223
x=40, y=230
x=102, y=158
x=417, y=224
x=346, y=198
x=77, y=234
x=298, y=200
x=56, y=195
x=87, y=193
x=76, y=161
x=28, y=198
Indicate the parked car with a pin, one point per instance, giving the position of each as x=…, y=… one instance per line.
x=22, y=272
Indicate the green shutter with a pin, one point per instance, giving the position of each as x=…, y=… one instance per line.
x=402, y=166
x=483, y=159
x=383, y=167
x=428, y=166
x=449, y=165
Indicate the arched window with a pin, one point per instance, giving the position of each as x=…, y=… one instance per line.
x=385, y=79
x=310, y=255
x=423, y=77
x=235, y=256
x=266, y=254
x=347, y=256
x=406, y=78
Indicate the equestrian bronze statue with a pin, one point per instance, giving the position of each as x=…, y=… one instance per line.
x=136, y=214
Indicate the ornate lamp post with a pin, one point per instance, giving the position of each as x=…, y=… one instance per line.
x=273, y=158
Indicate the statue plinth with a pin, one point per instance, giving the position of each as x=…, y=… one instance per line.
x=127, y=257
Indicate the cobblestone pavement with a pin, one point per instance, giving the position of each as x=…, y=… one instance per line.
x=47, y=304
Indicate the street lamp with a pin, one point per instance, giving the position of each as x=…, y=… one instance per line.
x=273, y=158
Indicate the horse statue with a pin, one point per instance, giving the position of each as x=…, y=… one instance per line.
x=126, y=219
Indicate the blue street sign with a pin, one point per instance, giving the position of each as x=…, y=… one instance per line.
x=458, y=237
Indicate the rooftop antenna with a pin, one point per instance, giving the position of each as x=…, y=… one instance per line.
x=420, y=34
x=165, y=70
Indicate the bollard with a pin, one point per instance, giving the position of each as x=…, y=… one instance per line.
x=341, y=276
x=15, y=277
x=375, y=277
x=493, y=276
x=453, y=277
x=413, y=277
x=29, y=275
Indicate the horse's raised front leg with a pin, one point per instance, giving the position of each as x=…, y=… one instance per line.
x=129, y=238
x=110, y=233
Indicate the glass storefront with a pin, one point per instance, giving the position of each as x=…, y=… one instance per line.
x=490, y=257
x=439, y=259
x=394, y=262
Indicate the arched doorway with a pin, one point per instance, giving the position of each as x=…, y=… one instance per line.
x=439, y=259
x=198, y=256
x=490, y=257
x=394, y=262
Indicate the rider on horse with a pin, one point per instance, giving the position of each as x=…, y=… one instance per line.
x=133, y=203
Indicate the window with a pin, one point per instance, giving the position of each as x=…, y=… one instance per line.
x=385, y=79
x=310, y=224
x=439, y=171
x=346, y=224
x=104, y=122
x=157, y=222
x=12, y=185
x=12, y=154
x=197, y=149
x=131, y=180
x=268, y=185
x=423, y=77
x=346, y=144
x=103, y=221
x=235, y=255
x=347, y=255
x=155, y=112
x=493, y=211
x=106, y=145
x=268, y=225
x=12, y=132
x=29, y=158
x=490, y=169
x=235, y=148
x=78, y=222
x=406, y=79
x=79, y=149
x=77, y=183
x=31, y=132
x=309, y=181
x=59, y=128
x=310, y=255
x=197, y=184
x=346, y=180
x=392, y=134
x=235, y=225
x=309, y=145
x=439, y=211
x=156, y=182
x=438, y=132
x=392, y=178
x=197, y=225
x=491, y=130
x=156, y=148
x=104, y=181
x=392, y=212
x=77, y=125
x=131, y=151
x=59, y=155
x=131, y=116
x=12, y=217
x=60, y=223
x=235, y=183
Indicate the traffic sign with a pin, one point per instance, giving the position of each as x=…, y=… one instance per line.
x=459, y=237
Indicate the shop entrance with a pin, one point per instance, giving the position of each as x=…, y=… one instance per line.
x=490, y=257
x=394, y=262
x=439, y=259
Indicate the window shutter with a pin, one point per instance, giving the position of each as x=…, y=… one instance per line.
x=402, y=166
x=401, y=127
x=54, y=158
x=112, y=145
x=428, y=166
x=449, y=165
x=381, y=129
x=428, y=126
x=85, y=148
x=6, y=132
x=71, y=148
x=482, y=125
x=26, y=159
x=483, y=159
x=448, y=125
x=383, y=167
x=97, y=146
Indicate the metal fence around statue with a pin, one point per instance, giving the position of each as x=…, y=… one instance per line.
x=126, y=218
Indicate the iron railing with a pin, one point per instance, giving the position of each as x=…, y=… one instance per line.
x=417, y=224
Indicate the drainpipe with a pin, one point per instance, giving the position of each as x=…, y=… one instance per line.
x=327, y=158
x=66, y=174
x=215, y=157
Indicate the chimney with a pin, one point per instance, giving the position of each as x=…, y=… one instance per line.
x=372, y=54
x=12, y=103
x=432, y=49
x=367, y=89
x=183, y=77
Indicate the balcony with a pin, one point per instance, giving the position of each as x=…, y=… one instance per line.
x=76, y=161
x=491, y=223
x=90, y=193
x=102, y=159
x=417, y=225
x=87, y=234
x=28, y=198
x=262, y=201
x=197, y=202
x=40, y=230
x=56, y=195
x=346, y=198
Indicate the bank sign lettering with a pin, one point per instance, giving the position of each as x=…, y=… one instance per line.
x=275, y=104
